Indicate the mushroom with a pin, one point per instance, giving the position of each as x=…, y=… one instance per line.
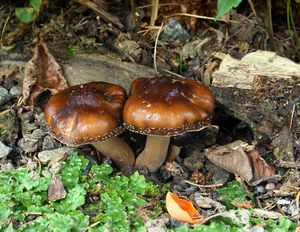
x=162, y=107
x=90, y=113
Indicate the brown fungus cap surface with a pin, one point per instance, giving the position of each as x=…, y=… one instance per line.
x=86, y=113
x=167, y=106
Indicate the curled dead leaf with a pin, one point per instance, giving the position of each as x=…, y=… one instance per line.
x=42, y=73
x=182, y=210
x=241, y=159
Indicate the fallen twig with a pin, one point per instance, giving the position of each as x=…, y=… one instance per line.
x=287, y=164
x=202, y=17
x=203, y=186
x=155, y=48
x=105, y=15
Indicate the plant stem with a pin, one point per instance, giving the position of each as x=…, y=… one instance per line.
x=270, y=25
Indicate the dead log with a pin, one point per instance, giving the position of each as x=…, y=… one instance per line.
x=83, y=68
x=263, y=90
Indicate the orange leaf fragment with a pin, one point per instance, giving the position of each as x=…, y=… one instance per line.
x=182, y=210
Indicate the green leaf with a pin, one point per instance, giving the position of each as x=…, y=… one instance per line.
x=5, y=212
x=234, y=191
x=100, y=173
x=39, y=224
x=137, y=183
x=25, y=14
x=73, y=171
x=73, y=221
x=75, y=198
x=70, y=52
x=226, y=5
x=216, y=225
x=36, y=4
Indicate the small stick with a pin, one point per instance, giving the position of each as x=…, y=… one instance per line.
x=203, y=186
x=292, y=116
x=161, y=4
x=133, y=12
x=105, y=15
x=94, y=224
x=154, y=12
x=252, y=7
x=155, y=48
x=172, y=73
x=39, y=164
x=205, y=220
x=270, y=24
x=3, y=29
x=202, y=17
x=35, y=213
x=287, y=164
x=4, y=112
x=297, y=199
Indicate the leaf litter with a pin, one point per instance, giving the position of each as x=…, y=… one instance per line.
x=42, y=73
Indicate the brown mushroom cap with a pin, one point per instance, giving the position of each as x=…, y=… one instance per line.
x=166, y=106
x=86, y=113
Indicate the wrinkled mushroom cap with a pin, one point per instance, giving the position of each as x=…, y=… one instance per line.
x=166, y=106
x=86, y=113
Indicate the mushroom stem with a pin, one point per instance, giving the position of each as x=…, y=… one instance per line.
x=117, y=150
x=173, y=152
x=154, y=153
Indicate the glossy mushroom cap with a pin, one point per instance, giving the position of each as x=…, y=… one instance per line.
x=167, y=106
x=86, y=113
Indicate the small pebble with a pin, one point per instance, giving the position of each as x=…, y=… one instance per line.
x=31, y=164
x=48, y=155
x=15, y=91
x=257, y=229
x=28, y=145
x=174, y=32
x=259, y=190
x=132, y=48
x=293, y=209
x=4, y=96
x=283, y=202
x=270, y=186
x=4, y=150
x=7, y=167
x=49, y=143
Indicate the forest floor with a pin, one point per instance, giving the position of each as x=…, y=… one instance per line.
x=241, y=173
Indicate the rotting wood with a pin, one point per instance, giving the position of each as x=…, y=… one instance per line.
x=83, y=68
x=241, y=73
x=262, y=89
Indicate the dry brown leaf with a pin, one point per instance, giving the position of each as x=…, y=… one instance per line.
x=182, y=210
x=232, y=158
x=241, y=159
x=261, y=170
x=42, y=73
x=56, y=190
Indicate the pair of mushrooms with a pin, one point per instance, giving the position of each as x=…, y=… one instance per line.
x=160, y=107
